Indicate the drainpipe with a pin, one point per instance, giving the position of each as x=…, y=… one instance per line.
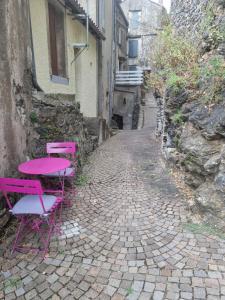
x=34, y=74
x=87, y=24
x=112, y=79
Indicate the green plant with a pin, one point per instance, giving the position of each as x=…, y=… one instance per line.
x=208, y=18
x=215, y=33
x=175, y=61
x=175, y=82
x=61, y=251
x=12, y=282
x=215, y=68
x=81, y=180
x=177, y=118
x=130, y=291
x=213, y=76
x=204, y=229
x=33, y=117
x=177, y=141
x=176, y=65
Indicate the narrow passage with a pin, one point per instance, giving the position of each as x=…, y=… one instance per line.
x=124, y=237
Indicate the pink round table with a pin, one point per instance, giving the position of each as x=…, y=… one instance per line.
x=42, y=166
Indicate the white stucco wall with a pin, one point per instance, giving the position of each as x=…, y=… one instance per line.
x=82, y=74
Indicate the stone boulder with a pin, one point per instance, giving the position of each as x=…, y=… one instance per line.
x=194, y=180
x=214, y=125
x=210, y=199
x=209, y=119
x=212, y=165
x=195, y=146
x=200, y=157
x=175, y=99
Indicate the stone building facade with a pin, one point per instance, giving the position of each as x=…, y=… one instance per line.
x=144, y=18
x=121, y=39
x=49, y=90
x=67, y=70
x=197, y=145
x=106, y=63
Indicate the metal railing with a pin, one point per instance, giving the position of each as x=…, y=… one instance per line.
x=134, y=78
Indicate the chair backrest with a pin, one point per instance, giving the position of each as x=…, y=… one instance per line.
x=62, y=147
x=21, y=186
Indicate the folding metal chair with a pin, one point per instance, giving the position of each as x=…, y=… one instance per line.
x=69, y=149
x=35, y=211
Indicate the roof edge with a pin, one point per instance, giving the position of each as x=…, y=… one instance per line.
x=75, y=6
x=123, y=14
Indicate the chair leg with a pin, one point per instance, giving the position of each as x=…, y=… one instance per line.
x=51, y=224
x=62, y=182
x=59, y=218
x=72, y=191
x=18, y=233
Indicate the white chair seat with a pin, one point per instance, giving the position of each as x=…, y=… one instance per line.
x=31, y=204
x=67, y=172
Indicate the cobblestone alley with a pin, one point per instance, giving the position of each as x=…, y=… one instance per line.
x=124, y=237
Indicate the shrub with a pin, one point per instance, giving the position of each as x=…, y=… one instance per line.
x=213, y=78
x=176, y=65
x=175, y=62
x=213, y=32
x=177, y=118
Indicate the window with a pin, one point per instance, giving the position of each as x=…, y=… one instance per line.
x=133, y=68
x=57, y=41
x=135, y=19
x=133, y=48
x=120, y=36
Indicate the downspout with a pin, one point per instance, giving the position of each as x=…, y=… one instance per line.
x=112, y=61
x=34, y=74
x=87, y=24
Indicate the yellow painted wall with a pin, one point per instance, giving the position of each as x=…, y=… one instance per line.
x=82, y=74
x=39, y=21
x=86, y=75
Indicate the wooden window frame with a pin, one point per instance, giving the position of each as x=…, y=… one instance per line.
x=56, y=78
x=129, y=50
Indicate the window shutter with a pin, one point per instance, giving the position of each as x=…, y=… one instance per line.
x=133, y=48
x=53, y=42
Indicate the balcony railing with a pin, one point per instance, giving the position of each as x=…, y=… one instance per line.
x=133, y=78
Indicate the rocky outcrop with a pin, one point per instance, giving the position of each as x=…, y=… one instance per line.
x=194, y=137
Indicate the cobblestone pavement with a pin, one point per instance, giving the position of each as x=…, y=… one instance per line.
x=123, y=238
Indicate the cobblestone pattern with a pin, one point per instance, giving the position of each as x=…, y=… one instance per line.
x=123, y=238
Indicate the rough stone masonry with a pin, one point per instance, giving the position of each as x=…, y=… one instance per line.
x=201, y=150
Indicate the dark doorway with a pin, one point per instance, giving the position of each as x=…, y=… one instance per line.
x=118, y=120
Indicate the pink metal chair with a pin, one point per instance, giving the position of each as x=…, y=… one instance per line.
x=69, y=149
x=34, y=210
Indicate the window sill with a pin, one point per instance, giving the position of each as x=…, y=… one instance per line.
x=59, y=80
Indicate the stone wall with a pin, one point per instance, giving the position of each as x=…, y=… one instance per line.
x=196, y=144
x=15, y=83
x=15, y=88
x=187, y=16
x=57, y=117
